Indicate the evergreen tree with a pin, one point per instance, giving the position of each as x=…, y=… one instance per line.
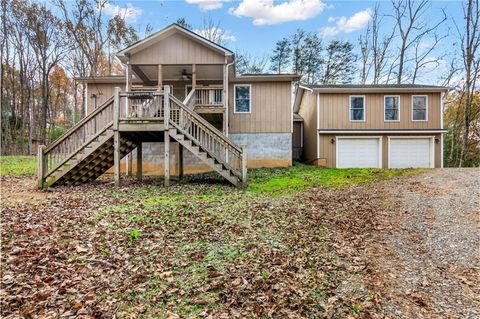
x=281, y=56
x=311, y=51
x=339, y=63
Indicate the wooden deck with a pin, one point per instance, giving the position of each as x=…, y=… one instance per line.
x=122, y=124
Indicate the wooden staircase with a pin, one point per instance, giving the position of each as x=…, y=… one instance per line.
x=101, y=139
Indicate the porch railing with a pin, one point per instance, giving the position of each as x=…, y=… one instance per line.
x=143, y=105
x=209, y=97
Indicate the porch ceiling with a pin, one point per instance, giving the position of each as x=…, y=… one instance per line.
x=174, y=72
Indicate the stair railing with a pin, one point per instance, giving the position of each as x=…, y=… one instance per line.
x=55, y=155
x=212, y=140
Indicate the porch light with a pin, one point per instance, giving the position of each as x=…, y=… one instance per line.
x=332, y=141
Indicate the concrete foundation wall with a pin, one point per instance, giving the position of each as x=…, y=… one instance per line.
x=266, y=149
x=263, y=150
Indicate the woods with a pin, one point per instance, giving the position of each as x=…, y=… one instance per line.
x=41, y=53
x=44, y=47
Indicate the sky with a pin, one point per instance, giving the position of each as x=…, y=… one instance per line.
x=255, y=25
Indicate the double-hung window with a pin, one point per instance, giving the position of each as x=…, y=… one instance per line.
x=357, y=108
x=391, y=108
x=419, y=108
x=242, y=96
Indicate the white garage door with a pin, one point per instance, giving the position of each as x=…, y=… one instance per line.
x=411, y=152
x=358, y=152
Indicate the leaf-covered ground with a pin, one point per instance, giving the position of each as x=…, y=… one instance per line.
x=293, y=244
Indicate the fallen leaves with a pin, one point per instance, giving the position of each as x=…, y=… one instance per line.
x=204, y=251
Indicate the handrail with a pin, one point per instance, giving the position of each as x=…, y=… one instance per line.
x=69, y=157
x=71, y=130
x=189, y=97
x=207, y=124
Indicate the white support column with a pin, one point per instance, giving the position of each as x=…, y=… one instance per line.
x=194, y=76
x=160, y=78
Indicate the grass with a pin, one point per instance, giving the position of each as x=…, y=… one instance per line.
x=18, y=165
x=299, y=177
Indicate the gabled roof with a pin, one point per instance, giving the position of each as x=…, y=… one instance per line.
x=165, y=32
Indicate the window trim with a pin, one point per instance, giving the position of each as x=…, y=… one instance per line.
x=235, y=99
x=426, y=107
x=384, y=107
x=364, y=108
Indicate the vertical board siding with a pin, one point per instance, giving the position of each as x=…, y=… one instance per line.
x=270, y=109
x=334, y=112
x=177, y=49
x=103, y=90
x=327, y=149
x=308, y=111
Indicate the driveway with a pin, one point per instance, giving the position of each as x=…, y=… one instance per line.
x=428, y=261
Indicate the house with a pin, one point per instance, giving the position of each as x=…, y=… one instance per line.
x=382, y=126
x=180, y=108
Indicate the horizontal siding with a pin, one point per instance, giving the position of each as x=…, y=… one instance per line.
x=271, y=109
x=327, y=148
x=334, y=112
x=177, y=49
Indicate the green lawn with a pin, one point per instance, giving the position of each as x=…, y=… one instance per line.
x=281, y=181
x=18, y=165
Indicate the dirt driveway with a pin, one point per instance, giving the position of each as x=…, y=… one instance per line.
x=428, y=261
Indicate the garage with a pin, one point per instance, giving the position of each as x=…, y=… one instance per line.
x=415, y=152
x=359, y=152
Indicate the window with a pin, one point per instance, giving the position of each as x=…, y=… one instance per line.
x=357, y=108
x=391, y=108
x=242, y=101
x=419, y=108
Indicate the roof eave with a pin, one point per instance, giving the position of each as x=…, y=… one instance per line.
x=381, y=90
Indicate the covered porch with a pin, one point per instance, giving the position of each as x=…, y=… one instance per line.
x=201, y=87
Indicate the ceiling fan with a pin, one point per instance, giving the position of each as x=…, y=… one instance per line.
x=184, y=75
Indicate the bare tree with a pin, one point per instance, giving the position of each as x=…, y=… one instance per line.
x=470, y=44
x=48, y=42
x=246, y=63
x=413, y=23
x=212, y=30
x=84, y=22
x=375, y=50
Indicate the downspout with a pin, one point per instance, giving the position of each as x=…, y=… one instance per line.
x=226, y=95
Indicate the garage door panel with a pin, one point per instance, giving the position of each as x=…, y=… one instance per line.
x=411, y=152
x=358, y=153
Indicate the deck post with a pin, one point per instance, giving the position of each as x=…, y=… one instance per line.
x=166, y=121
x=42, y=165
x=180, y=161
x=116, y=136
x=160, y=78
x=139, y=161
x=129, y=164
x=194, y=76
x=244, y=165
x=116, y=157
x=128, y=85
